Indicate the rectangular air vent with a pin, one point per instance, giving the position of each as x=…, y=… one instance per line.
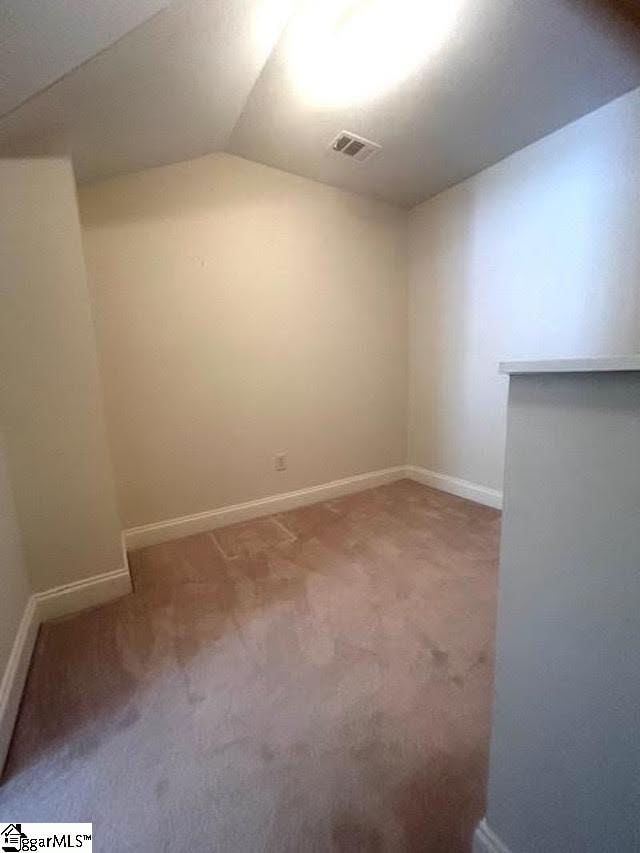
x=355, y=147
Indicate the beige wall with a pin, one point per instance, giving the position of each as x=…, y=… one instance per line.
x=14, y=588
x=50, y=407
x=240, y=312
x=537, y=257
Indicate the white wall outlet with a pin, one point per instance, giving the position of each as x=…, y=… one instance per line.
x=281, y=461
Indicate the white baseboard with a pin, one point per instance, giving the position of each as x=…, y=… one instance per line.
x=90, y=592
x=188, y=525
x=15, y=674
x=454, y=486
x=51, y=604
x=73, y=597
x=201, y=522
x=486, y=841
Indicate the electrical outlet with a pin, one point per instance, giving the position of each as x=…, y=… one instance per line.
x=281, y=461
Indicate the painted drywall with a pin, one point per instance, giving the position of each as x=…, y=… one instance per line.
x=510, y=73
x=13, y=573
x=241, y=312
x=537, y=257
x=41, y=42
x=564, y=751
x=50, y=406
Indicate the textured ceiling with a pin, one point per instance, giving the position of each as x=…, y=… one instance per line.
x=207, y=75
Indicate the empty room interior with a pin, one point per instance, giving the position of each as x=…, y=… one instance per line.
x=320, y=426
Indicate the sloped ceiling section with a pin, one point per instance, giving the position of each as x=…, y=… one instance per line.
x=169, y=90
x=206, y=75
x=511, y=72
x=41, y=42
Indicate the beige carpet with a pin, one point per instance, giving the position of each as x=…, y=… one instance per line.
x=319, y=680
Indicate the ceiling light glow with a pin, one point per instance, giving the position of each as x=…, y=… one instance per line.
x=347, y=51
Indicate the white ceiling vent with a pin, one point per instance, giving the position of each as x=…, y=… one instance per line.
x=347, y=144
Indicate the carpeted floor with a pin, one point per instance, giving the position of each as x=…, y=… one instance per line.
x=319, y=680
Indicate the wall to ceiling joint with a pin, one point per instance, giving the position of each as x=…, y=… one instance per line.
x=241, y=311
x=537, y=257
x=210, y=75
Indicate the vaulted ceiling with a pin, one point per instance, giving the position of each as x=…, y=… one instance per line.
x=132, y=85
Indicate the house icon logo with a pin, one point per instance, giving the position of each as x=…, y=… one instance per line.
x=11, y=837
